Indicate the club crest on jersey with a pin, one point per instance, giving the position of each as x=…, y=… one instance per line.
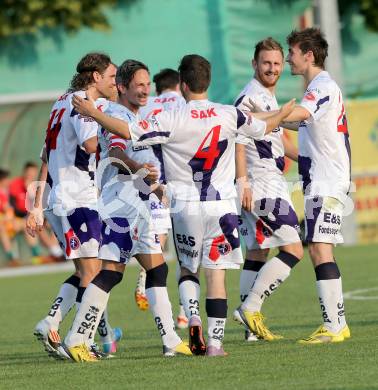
x=224, y=248
x=74, y=243
x=143, y=124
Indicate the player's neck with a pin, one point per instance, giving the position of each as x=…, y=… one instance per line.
x=195, y=96
x=132, y=107
x=311, y=73
x=93, y=92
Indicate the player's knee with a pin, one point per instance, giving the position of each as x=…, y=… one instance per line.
x=193, y=278
x=157, y=277
x=290, y=259
x=106, y=280
x=320, y=252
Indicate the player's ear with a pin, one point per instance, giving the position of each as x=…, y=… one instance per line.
x=96, y=76
x=121, y=88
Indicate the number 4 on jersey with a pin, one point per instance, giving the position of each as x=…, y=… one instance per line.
x=210, y=153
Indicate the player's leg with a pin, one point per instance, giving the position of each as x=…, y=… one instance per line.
x=160, y=305
x=182, y=320
x=140, y=291
x=275, y=226
x=216, y=309
x=323, y=224
x=109, y=336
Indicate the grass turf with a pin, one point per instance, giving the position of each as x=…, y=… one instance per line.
x=293, y=311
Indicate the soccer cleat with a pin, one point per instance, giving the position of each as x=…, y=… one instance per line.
x=180, y=349
x=249, y=336
x=49, y=338
x=182, y=322
x=140, y=291
x=112, y=347
x=346, y=332
x=255, y=323
x=95, y=351
x=80, y=353
x=322, y=335
x=214, y=351
x=196, y=341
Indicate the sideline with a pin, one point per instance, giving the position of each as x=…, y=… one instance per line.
x=356, y=294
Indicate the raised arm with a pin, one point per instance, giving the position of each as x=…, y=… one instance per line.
x=86, y=107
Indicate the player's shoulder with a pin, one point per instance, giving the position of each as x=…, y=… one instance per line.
x=323, y=82
x=118, y=110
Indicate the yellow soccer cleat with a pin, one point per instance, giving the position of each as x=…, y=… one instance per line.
x=255, y=323
x=180, y=349
x=346, y=332
x=322, y=336
x=141, y=300
x=80, y=353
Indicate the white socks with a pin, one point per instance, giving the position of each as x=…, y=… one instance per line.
x=189, y=290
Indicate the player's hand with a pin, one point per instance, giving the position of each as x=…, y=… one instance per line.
x=34, y=222
x=287, y=108
x=247, y=199
x=151, y=172
x=85, y=107
x=252, y=106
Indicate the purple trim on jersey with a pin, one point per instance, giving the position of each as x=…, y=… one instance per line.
x=280, y=163
x=304, y=166
x=153, y=134
x=74, y=112
x=49, y=180
x=347, y=147
x=239, y=100
x=281, y=210
x=229, y=224
x=264, y=148
x=202, y=178
x=121, y=239
x=320, y=102
x=158, y=152
x=312, y=215
x=90, y=218
x=241, y=118
x=82, y=161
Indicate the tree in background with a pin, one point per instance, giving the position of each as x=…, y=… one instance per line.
x=28, y=17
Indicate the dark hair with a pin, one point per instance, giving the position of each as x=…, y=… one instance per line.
x=3, y=174
x=91, y=62
x=30, y=164
x=166, y=79
x=195, y=72
x=127, y=70
x=310, y=39
x=267, y=44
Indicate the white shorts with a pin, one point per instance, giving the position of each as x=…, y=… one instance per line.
x=78, y=231
x=160, y=215
x=323, y=218
x=273, y=223
x=205, y=233
x=123, y=238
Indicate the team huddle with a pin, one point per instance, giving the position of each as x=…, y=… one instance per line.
x=120, y=169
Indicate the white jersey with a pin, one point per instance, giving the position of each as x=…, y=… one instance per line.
x=166, y=101
x=265, y=158
x=118, y=190
x=198, y=144
x=71, y=169
x=324, y=150
x=169, y=100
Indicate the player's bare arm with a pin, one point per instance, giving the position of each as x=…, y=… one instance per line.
x=90, y=145
x=244, y=187
x=87, y=107
x=35, y=218
x=126, y=164
x=291, y=151
x=276, y=117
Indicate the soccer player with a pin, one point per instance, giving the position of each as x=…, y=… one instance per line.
x=127, y=227
x=68, y=169
x=272, y=222
x=169, y=98
x=324, y=167
x=198, y=144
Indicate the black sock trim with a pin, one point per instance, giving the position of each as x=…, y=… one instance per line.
x=80, y=292
x=73, y=280
x=106, y=279
x=253, y=265
x=287, y=258
x=216, y=308
x=192, y=278
x=157, y=277
x=326, y=271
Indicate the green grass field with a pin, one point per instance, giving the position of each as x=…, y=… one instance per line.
x=293, y=311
